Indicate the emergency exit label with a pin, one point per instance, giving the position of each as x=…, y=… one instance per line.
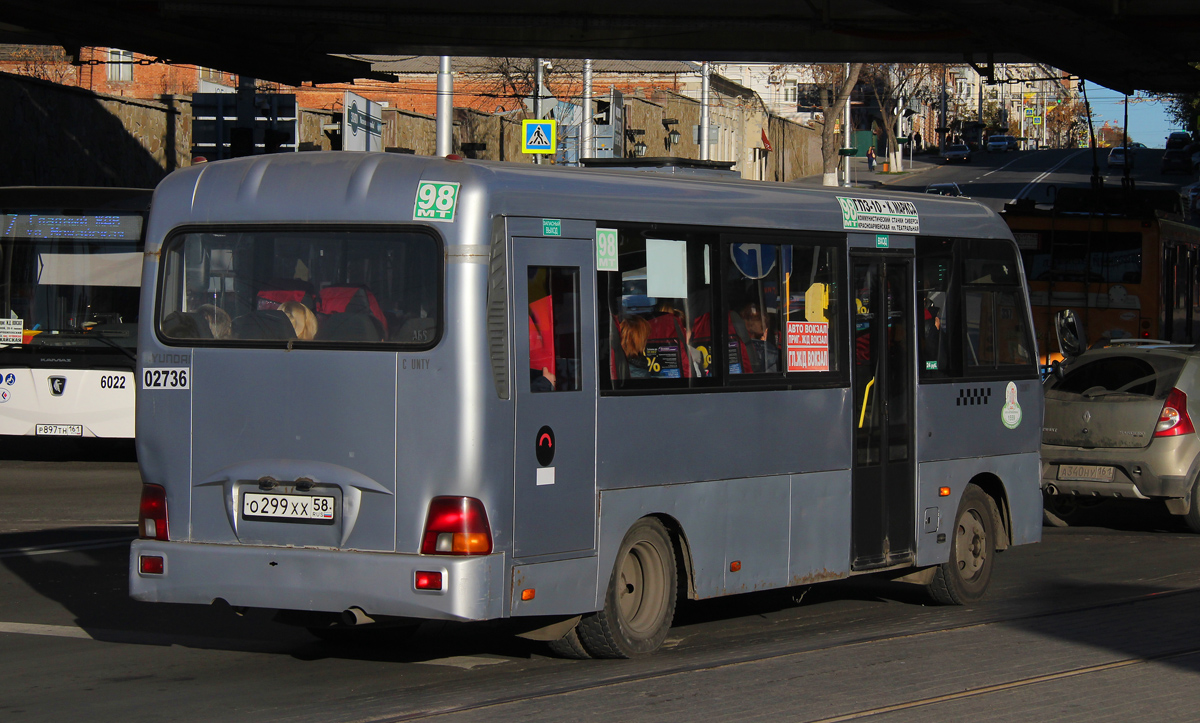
x=606, y=250
x=436, y=201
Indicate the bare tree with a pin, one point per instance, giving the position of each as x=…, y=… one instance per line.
x=893, y=84
x=505, y=83
x=46, y=62
x=834, y=86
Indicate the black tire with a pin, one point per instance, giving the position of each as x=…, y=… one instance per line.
x=569, y=646
x=640, y=602
x=1193, y=516
x=965, y=577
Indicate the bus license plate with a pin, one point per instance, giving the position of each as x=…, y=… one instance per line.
x=59, y=430
x=1085, y=473
x=287, y=508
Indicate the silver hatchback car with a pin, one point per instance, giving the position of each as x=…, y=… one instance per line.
x=1117, y=424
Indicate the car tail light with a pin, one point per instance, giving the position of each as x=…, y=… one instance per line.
x=456, y=526
x=1174, y=419
x=152, y=513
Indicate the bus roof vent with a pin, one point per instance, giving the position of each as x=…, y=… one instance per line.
x=666, y=164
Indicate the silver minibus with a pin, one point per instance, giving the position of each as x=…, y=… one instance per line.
x=378, y=388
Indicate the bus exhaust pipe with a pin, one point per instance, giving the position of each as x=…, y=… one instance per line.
x=356, y=616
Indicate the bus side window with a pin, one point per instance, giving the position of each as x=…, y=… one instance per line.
x=935, y=298
x=655, y=313
x=753, y=298
x=554, y=329
x=994, y=321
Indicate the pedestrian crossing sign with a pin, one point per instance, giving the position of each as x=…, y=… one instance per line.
x=539, y=136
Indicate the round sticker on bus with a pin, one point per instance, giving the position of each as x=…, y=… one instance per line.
x=1010, y=413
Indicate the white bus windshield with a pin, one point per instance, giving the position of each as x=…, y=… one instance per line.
x=70, y=280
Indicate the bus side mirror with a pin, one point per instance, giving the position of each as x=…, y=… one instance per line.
x=1069, y=330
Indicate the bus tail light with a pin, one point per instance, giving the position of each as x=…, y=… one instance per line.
x=1174, y=419
x=456, y=526
x=152, y=513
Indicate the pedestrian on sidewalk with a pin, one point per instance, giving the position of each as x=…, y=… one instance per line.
x=871, y=159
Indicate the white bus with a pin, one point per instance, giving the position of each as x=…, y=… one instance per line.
x=70, y=282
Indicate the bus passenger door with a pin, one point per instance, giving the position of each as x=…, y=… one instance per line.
x=882, y=508
x=554, y=376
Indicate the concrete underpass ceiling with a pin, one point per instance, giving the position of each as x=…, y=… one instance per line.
x=1123, y=44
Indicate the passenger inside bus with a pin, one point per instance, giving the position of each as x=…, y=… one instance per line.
x=764, y=352
x=304, y=322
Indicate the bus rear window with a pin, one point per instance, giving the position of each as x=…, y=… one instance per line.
x=320, y=287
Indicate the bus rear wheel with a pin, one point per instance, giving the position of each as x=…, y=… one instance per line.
x=965, y=577
x=640, y=602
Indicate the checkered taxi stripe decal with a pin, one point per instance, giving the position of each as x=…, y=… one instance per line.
x=971, y=397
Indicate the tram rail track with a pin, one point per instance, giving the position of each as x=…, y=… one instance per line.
x=730, y=660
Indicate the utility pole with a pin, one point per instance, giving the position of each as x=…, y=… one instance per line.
x=847, y=137
x=942, y=125
x=445, y=108
x=585, y=128
x=704, y=90
x=537, y=99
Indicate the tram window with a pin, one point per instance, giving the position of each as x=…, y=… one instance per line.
x=1113, y=257
x=554, y=329
x=277, y=287
x=655, y=312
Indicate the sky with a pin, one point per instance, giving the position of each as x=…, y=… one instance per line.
x=1149, y=121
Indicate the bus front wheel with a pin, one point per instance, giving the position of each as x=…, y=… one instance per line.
x=640, y=602
x=964, y=578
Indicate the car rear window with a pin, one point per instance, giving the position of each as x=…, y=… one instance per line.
x=1143, y=375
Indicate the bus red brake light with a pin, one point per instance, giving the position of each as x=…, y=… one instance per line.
x=456, y=526
x=152, y=513
x=1174, y=419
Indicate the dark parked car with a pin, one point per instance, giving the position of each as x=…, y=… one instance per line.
x=945, y=189
x=1176, y=160
x=1178, y=139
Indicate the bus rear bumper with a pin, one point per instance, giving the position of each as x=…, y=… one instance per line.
x=286, y=578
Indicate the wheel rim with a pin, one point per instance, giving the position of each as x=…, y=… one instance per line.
x=971, y=545
x=640, y=598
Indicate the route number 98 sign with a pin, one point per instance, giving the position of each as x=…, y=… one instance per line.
x=436, y=201
x=166, y=378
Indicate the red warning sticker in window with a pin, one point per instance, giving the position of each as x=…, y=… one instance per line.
x=808, y=346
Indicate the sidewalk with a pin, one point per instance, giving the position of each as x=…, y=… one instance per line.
x=862, y=178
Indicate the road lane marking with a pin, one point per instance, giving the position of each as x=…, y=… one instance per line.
x=54, y=631
x=1036, y=181
x=1001, y=168
x=60, y=548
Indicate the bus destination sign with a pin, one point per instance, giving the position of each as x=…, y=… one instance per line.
x=879, y=214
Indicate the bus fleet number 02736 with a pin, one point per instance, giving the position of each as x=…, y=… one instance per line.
x=166, y=378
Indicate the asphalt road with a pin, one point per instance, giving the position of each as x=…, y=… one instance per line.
x=1096, y=623
x=994, y=179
